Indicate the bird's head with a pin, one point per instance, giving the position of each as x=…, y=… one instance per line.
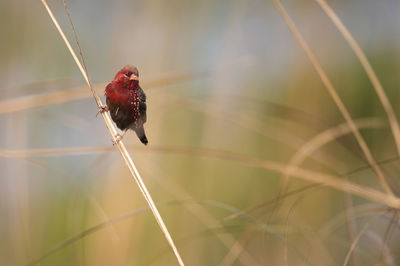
x=128, y=75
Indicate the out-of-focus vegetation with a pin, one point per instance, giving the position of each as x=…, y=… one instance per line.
x=227, y=84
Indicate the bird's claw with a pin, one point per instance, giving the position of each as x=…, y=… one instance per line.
x=102, y=109
x=118, y=138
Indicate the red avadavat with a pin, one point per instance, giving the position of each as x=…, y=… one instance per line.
x=126, y=102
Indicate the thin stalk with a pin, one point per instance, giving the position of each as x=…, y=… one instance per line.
x=333, y=181
x=368, y=69
x=335, y=96
x=356, y=240
x=119, y=144
x=325, y=137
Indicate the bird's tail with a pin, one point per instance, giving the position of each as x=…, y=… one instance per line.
x=141, y=135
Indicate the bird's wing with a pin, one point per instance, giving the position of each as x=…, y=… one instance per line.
x=142, y=95
x=142, y=105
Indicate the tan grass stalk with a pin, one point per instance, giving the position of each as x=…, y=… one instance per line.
x=360, y=211
x=120, y=145
x=368, y=69
x=228, y=240
x=273, y=201
x=197, y=210
x=356, y=240
x=300, y=190
x=332, y=91
x=351, y=225
x=233, y=254
x=269, y=131
x=248, y=122
x=325, y=137
x=44, y=99
x=307, y=175
x=322, y=139
x=91, y=230
x=119, y=218
x=385, y=252
x=299, y=173
x=286, y=232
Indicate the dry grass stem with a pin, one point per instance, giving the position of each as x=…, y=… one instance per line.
x=389, y=230
x=351, y=225
x=356, y=240
x=328, y=84
x=120, y=145
x=206, y=218
x=272, y=201
x=44, y=99
x=122, y=217
x=233, y=254
x=89, y=231
x=286, y=232
x=324, y=138
x=299, y=173
x=359, y=211
x=368, y=69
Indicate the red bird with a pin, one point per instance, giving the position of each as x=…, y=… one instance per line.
x=126, y=102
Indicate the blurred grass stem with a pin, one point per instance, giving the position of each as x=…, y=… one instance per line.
x=315, y=177
x=356, y=240
x=336, y=98
x=368, y=69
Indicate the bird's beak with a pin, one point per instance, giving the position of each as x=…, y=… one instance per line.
x=133, y=77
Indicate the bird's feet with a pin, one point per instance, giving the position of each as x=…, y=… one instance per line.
x=118, y=138
x=102, y=109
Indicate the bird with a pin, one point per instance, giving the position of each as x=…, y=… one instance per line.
x=126, y=102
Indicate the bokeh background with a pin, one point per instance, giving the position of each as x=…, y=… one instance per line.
x=227, y=83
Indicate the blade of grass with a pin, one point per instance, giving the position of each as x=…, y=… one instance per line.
x=368, y=69
x=360, y=212
x=299, y=173
x=303, y=190
x=87, y=232
x=202, y=215
x=332, y=91
x=286, y=230
x=325, y=137
x=135, y=212
x=197, y=210
x=356, y=240
x=322, y=139
x=351, y=225
x=273, y=201
x=120, y=145
x=43, y=99
x=388, y=232
x=265, y=227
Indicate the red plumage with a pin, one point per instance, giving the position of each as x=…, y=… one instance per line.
x=126, y=101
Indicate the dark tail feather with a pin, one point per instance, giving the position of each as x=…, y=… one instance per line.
x=144, y=140
x=141, y=135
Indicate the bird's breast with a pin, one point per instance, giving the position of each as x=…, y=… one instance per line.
x=123, y=97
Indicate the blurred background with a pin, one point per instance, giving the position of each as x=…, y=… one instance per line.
x=227, y=84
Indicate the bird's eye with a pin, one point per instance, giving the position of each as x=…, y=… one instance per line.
x=126, y=74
